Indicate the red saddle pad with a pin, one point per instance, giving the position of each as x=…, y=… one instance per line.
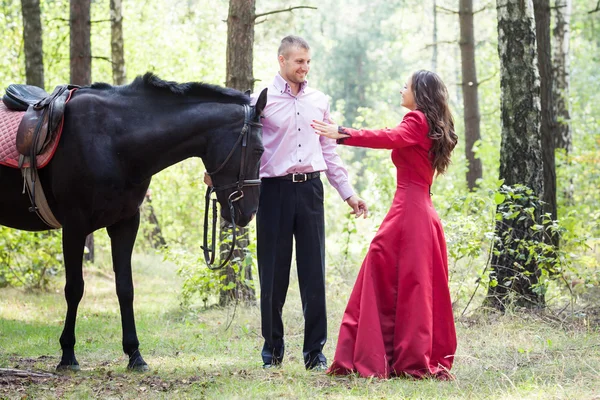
x=9, y=123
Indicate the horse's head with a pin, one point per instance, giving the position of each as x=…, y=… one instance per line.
x=235, y=171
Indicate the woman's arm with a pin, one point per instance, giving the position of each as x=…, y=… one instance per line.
x=411, y=131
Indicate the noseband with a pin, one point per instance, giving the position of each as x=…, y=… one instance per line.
x=236, y=195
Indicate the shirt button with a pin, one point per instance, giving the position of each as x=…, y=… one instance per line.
x=298, y=128
x=298, y=113
x=299, y=145
x=299, y=160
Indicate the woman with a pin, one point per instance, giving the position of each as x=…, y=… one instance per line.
x=399, y=320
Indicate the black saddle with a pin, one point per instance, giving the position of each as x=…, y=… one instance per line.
x=20, y=97
x=43, y=114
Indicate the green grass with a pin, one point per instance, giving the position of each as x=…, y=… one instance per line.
x=192, y=355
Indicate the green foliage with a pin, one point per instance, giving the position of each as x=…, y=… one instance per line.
x=205, y=284
x=29, y=259
x=362, y=54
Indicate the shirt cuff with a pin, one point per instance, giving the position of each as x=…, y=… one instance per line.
x=345, y=190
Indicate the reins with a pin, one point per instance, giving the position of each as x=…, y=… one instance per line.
x=236, y=195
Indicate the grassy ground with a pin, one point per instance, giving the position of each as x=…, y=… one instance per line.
x=192, y=355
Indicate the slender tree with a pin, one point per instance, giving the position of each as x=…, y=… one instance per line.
x=470, y=96
x=81, y=53
x=240, y=76
x=434, y=54
x=513, y=278
x=32, y=39
x=116, y=43
x=81, y=65
x=542, y=28
x=561, y=43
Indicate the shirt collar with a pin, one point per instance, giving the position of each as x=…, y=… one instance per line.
x=283, y=87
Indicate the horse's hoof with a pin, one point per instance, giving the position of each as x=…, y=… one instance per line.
x=67, y=367
x=137, y=363
x=138, y=368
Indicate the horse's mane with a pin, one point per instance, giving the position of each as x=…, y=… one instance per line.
x=202, y=91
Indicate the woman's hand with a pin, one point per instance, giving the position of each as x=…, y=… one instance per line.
x=327, y=130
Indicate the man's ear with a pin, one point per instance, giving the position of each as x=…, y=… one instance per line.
x=261, y=103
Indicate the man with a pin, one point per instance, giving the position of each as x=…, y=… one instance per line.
x=291, y=204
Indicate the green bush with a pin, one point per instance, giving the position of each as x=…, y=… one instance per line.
x=29, y=259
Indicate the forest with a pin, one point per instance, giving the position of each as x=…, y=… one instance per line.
x=520, y=202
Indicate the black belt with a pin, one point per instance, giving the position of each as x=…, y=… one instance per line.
x=296, y=177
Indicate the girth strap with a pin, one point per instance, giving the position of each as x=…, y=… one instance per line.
x=39, y=203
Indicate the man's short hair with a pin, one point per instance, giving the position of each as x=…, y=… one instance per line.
x=291, y=41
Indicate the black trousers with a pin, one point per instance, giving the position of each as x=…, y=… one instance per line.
x=289, y=210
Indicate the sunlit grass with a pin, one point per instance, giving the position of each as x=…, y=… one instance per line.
x=192, y=355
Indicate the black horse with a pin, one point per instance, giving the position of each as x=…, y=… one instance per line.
x=114, y=139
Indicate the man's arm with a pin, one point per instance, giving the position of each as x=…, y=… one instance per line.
x=338, y=175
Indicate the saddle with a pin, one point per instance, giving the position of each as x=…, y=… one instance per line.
x=42, y=119
x=43, y=114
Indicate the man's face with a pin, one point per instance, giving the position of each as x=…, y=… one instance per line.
x=296, y=65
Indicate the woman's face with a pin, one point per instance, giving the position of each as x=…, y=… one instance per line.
x=408, y=97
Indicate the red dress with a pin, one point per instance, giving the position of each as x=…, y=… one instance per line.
x=399, y=317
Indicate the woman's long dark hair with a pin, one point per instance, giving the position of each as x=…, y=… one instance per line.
x=431, y=97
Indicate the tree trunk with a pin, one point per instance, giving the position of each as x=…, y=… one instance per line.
x=240, y=76
x=81, y=66
x=154, y=235
x=116, y=43
x=32, y=39
x=238, y=273
x=561, y=35
x=240, y=42
x=469, y=88
x=520, y=152
x=434, y=54
x=81, y=53
x=562, y=106
x=542, y=28
x=89, y=244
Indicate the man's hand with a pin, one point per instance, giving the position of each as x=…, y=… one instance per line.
x=207, y=179
x=358, y=205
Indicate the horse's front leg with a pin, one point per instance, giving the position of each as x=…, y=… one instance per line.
x=73, y=244
x=122, y=237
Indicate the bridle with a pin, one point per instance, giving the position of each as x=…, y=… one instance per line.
x=236, y=195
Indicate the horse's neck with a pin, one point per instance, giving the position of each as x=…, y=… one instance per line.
x=167, y=137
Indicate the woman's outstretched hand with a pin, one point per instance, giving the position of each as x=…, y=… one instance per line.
x=327, y=130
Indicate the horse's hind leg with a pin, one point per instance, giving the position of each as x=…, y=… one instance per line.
x=73, y=244
x=122, y=237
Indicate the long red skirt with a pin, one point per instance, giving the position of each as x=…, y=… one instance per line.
x=399, y=319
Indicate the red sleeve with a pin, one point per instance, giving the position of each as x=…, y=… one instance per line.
x=411, y=131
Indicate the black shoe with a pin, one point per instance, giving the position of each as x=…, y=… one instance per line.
x=320, y=366
x=271, y=365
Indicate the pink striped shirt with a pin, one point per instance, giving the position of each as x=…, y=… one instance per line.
x=291, y=145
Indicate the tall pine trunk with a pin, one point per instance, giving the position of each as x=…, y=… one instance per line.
x=542, y=28
x=32, y=39
x=470, y=85
x=116, y=43
x=81, y=53
x=561, y=43
x=81, y=66
x=434, y=53
x=561, y=87
x=513, y=280
x=240, y=76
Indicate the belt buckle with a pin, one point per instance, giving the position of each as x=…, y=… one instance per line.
x=304, y=178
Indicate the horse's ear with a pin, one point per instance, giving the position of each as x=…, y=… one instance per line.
x=248, y=92
x=261, y=102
